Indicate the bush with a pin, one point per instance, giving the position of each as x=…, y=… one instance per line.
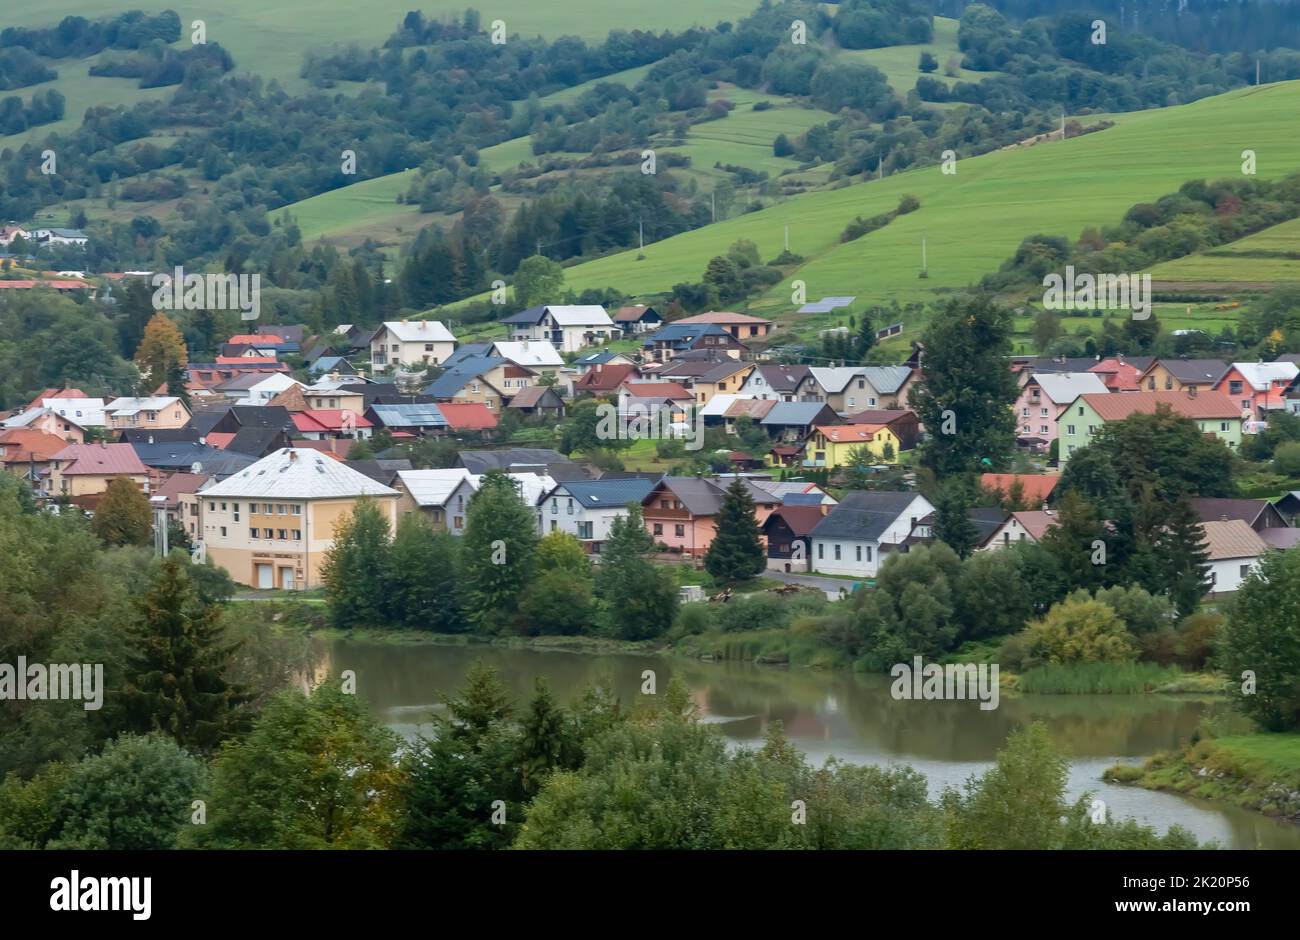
x=693, y=619
x=1286, y=459
x=1197, y=635
x=1078, y=630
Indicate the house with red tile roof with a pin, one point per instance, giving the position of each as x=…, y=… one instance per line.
x=602, y=379
x=87, y=469
x=318, y=424
x=1213, y=413
x=468, y=416
x=1027, y=526
x=1034, y=488
x=27, y=453
x=1119, y=375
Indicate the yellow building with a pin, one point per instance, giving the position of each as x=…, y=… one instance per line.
x=724, y=379
x=831, y=445
x=271, y=524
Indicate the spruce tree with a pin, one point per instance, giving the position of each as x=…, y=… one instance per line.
x=736, y=552
x=547, y=739
x=356, y=566
x=176, y=681
x=1181, y=556
x=1072, y=540
x=953, y=524
x=638, y=597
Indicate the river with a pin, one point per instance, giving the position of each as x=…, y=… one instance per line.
x=848, y=716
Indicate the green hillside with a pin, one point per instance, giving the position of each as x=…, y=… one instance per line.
x=1260, y=260
x=899, y=62
x=270, y=38
x=973, y=221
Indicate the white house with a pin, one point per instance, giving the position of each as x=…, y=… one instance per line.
x=419, y=343
x=1235, y=550
x=858, y=535
x=259, y=393
x=568, y=328
x=535, y=355
x=84, y=412
x=59, y=236
x=1027, y=526
x=531, y=487
x=586, y=509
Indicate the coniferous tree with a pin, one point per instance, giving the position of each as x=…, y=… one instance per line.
x=639, y=598
x=496, y=553
x=123, y=516
x=952, y=522
x=736, y=552
x=1182, y=557
x=176, y=681
x=355, y=568
x=547, y=742
x=1074, y=539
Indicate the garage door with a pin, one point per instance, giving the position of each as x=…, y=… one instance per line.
x=265, y=576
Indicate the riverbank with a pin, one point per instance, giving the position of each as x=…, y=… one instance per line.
x=1258, y=772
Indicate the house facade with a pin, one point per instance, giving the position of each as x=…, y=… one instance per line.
x=833, y=445
x=681, y=512
x=158, y=412
x=1258, y=387
x=1213, y=413
x=586, y=509
x=567, y=328
x=860, y=533
x=87, y=469
x=271, y=525
x=415, y=343
x=1044, y=397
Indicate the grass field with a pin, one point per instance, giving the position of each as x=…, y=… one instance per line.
x=972, y=221
x=270, y=38
x=1269, y=257
x=899, y=62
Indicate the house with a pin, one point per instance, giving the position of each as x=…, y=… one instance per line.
x=87, y=469
x=272, y=524
x=1122, y=374
x=532, y=487
x=567, y=328
x=604, y=379
x=538, y=400
x=637, y=318
x=1213, y=412
x=165, y=457
x=586, y=509
x=787, y=532
x=1259, y=514
x=1289, y=506
x=325, y=365
x=415, y=343
x=467, y=416
x=177, y=497
x=584, y=364
x=159, y=411
x=723, y=378
x=676, y=338
x=537, y=358
x=834, y=445
x=794, y=492
x=417, y=419
x=231, y=419
x=866, y=526
x=681, y=512
x=1044, y=397
x=28, y=453
x=791, y=422
x=754, y=409
x=47, y=421
x=1025, y=366
x=381, y=471
x=904, y=423
x=1234, y=550
x=487, y=380
x=739, y=325
x=1026, y=526
x=326, y=396
x=427, y=492
x=773, y=382
x=1176, y=375
x=634, y=394
x=318, y=424
x=50, y=237
x=1258, y=387
x=1034, y=489
x=255, y=388
x=204, y=377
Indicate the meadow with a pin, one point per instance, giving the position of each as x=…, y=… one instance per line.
x=1268, y=257
x=899, y=62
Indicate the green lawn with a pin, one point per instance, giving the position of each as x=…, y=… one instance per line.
x=899, y=62
x=370, y=204
x=973, y=221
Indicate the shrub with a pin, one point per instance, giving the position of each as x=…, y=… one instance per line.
x=1197, y=635
x=1078, y=630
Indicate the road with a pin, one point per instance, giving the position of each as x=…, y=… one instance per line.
x=832, y=586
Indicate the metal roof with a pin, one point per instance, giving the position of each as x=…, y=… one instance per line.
x=299, y=473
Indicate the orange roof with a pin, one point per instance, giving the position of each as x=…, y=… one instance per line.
x=606, y=376
x=54, y=393
x=468, y=416
x=23, y=445
x=1119, y=376
x=657, y=390
x=1036, y=522
x=722, y=316
x=53, y=283
x=246, y=360
x=219, y=439
x=849, y=433
x=253, y=339
x=1037, y=487
x=1118, y=406
x=328, y=419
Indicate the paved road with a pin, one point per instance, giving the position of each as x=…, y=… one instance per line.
x=832, y=586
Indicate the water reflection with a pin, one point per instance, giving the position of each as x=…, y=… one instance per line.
x=848, y=716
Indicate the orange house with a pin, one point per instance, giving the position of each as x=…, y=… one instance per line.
x=681, y=512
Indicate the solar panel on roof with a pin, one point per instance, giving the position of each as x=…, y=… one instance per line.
x=826, y=304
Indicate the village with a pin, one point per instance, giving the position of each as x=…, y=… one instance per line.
x=274, y=442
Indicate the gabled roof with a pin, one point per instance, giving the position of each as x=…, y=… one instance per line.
x=381, y=471
x=780, y=378
x=598, y=494
x=1261, y=375
x=298, y=473
x=849, y=433
x=131, y=406
x=802, y=493
x=796, y=413
x=887, y=380
x=722, y=316
x=580, y=315
x=724, y=370
x=24, y=445
x=605, y=377
x=1285, y=539
x=508, y=458
x=328, y=419
x=1196, y=371
x=255, y=442
x=178, y=484
x=679, y=334
x=409, y=416
x=1036, y=522
x=881, y=416
x=419, y=331
x=1065, y=387
x=1232, y=539
x=801, y=520
x=1121, y=374
x=669, y=390
x=528, y=353
x=39, y=400
x=1215, y=510
x=835, y=380
x=633, y=313
x=466, y=371
x=756, y=408
x=1116, y=406
x=863, y=515
x=468, y=416
x=433, y=487
x=529, y=317
x=467, y=351
x=183, y=456
x=534, y=396
x=101, y=460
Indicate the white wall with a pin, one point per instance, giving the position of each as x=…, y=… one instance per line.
x=858, y=558
x=1227, y=574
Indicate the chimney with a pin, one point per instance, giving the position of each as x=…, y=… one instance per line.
x=293, y=455
x=1191, y=391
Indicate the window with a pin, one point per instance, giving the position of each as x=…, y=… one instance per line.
x=555, y=507
x=281, y=534
x=1081, y=411
x=868, y=553
x=212, y=507
x=837, y=551
x=554, y=525
x=679, y=531
x=1234, y=388
x=659, y=528
x=1069, y=429
x=223, y=532
x=570, y=509
x=297, y=535
x=296, y=509
x=252, y=533
x=857, y=552
x=279, y=509
x=821, y=551
x=1042, y=429
x=223, y=507
x=1245, y=570
x=1223, y=425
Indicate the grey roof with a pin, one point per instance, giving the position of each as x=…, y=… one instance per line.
x=409, y=416
x=801, y=413
x=987, y=521
x=326, y=364
x=530, y=317
x=781, y=378
x=515, y=459
x=182, y=456
x=381, y=471
x=1196, y=370
x=298, y=473
x=703, y=497
x=256, y=442
x=887, y=379
x=467, y=351
x=594, y=494
x=453, y=380
x=863, y=515
x=826, y=305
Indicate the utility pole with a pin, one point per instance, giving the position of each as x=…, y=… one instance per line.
x=924, y=267
x=1256, y=71
x=640, y=235
x=787, y=238
x=713, y=207
x=539, y=246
